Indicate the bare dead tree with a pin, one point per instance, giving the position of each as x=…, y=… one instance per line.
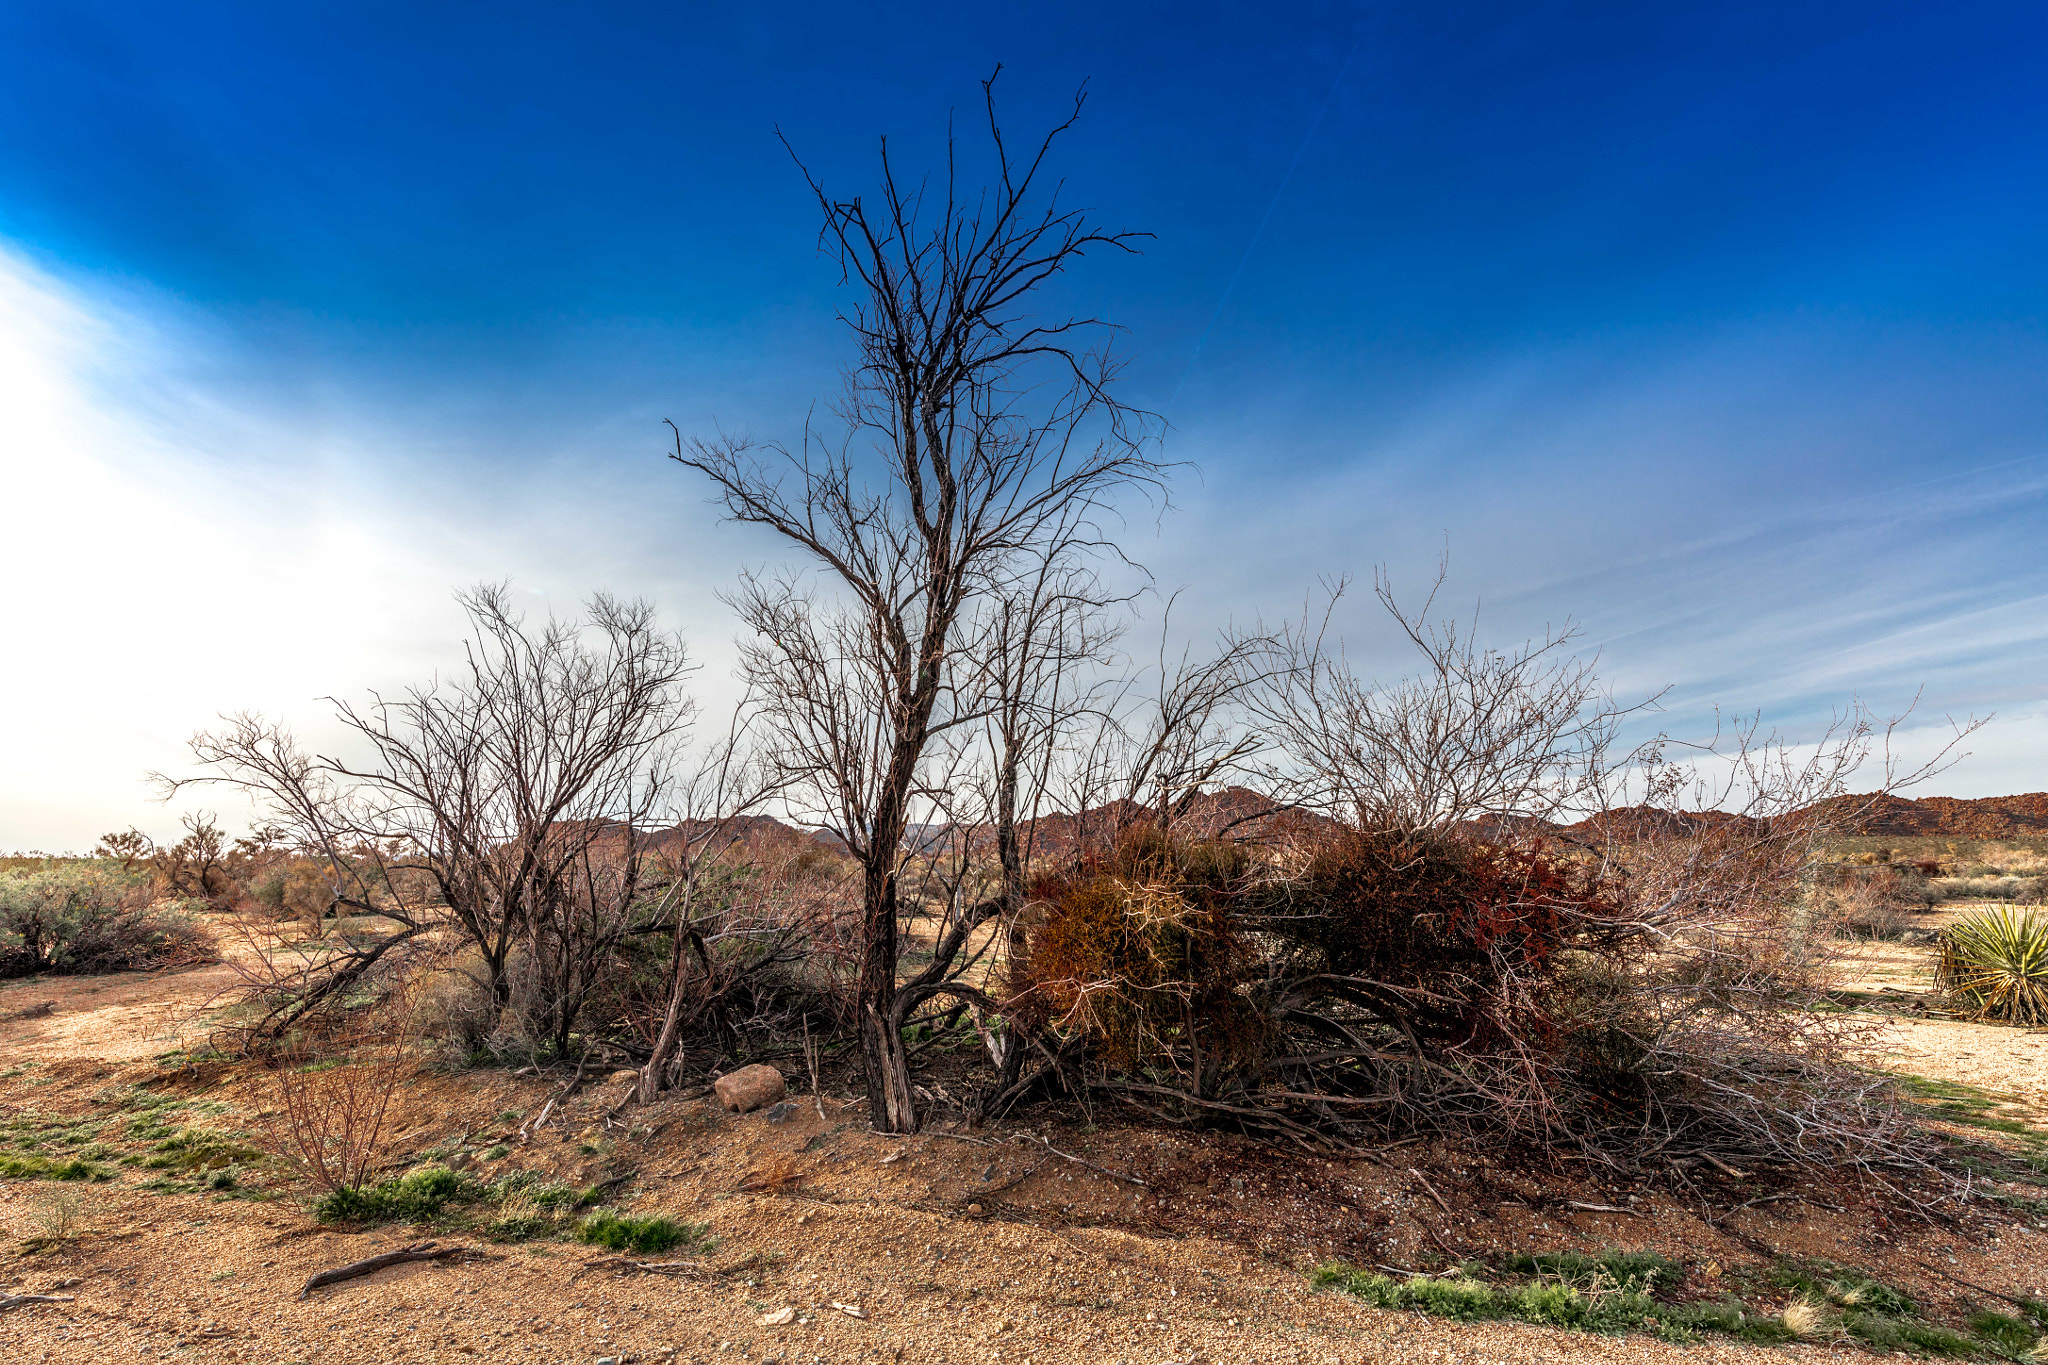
x=1156, y=737
x=1473, y=733
x=707, y=840
x=505, y=805
x=992, y=434
x=1047, y=636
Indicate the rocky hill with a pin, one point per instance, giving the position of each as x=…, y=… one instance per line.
x=1986, y=817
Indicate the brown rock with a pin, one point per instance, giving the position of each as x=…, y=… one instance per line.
x=750, y=1087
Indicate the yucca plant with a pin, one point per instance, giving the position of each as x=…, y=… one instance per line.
x=1995, y=964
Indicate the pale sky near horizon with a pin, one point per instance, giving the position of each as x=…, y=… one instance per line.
x=1719, y=331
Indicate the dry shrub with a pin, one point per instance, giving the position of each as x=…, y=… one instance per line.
x=56, y=1213
x=1712, y=1028
x=1375, y=978
x=760, y=950
x=301, y=889
x=75, y=918
x=332, y=1101
x=1646, y=995
x=1138, y=951
x=1880, y=904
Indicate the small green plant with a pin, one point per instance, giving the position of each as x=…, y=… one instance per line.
x=198, y=1150
x=415, y=1197
x=1994, y=964
x=526, y=1205
x=1644, y=1270
x=496, y=1153
x=645, y=1235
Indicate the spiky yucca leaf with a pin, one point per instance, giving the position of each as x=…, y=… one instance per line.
x=1995, y=964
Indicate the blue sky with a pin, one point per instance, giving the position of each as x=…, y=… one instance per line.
x=1718, y=329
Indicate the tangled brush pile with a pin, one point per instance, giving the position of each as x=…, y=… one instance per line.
x=1369, y=981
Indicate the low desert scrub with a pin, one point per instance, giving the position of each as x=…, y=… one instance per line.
x=79, y=918
x=1989, y=888
x=331, y=1109
x=1879, y=904
x=56, y=1214
x=1994, y=965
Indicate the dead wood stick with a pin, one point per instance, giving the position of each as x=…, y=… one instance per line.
x=1765, y=1199
x=2022, y=1303
x=1600, y=1208
x=932, y=1132
x=526, y=1134
x=1429, y=1189
x=1723, y=1167
x=370, y=1265
x=22, y=1300
x=1012, y=1182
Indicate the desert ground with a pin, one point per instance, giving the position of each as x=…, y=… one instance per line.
x=1022, y=1243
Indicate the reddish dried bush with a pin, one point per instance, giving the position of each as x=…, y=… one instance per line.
x=1382, y=980
x=1402, y=972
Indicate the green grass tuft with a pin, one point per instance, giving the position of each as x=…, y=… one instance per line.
x=45, y=1168
x=1611, y=1292
x=644, y=1235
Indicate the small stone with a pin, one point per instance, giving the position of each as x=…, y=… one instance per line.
x=780, y=1113
x=781, y=1317
x=974, y=1208
x=607, y=1360
x=623, y=1078
x=750, y=1088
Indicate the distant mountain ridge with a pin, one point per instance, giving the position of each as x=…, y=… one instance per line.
x=1984, y=817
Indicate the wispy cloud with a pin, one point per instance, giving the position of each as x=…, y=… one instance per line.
x=179, y=546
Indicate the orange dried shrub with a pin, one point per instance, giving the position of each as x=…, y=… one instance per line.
x=1139, y=951
x=1401, y=973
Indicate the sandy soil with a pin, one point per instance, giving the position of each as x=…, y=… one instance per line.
x=111, y=1018
x=954, y=1248
x=1921, y=1040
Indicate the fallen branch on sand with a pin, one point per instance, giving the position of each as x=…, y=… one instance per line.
x=370, y=1265
x=22, y=1300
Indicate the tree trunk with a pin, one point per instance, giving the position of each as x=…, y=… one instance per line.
x=891, y=1106
x=1016, y=959
x=672, y=1019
